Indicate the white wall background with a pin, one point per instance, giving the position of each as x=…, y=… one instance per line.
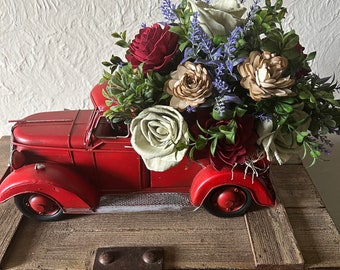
x=51, y=53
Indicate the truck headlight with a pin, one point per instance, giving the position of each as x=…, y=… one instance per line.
x=18, y=159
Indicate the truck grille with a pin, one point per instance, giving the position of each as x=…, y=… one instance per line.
x=138, y=202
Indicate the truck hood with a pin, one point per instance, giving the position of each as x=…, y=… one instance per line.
x=53, y=129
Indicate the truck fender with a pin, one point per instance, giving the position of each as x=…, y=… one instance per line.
x=209, y=178
x=64, y=185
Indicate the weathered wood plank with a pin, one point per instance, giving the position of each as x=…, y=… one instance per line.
x=9, y=216
x=191, y=240
x=270, y=232
x=273, y=243
x=294, y=186
x=318, y=237
x=313, y=228
x=4, y=152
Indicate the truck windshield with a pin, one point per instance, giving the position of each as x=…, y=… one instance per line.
x=107, y=129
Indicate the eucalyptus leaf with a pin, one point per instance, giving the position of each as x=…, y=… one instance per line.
x=281, y=14
x=218, y=115
x=301, y=136
x=311, y=56
x=314, y=153
x=290, y=40
x=107, y=64
x=240, y=112
x=177, y=30
x=213, y=146
x=115, y=35
x=191, y=153
x=201, y=142
x=330, y=123
x=312, y=99
x=278, y=4
x=304, y=95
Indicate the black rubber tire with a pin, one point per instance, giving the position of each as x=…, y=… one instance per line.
x=22, y=203
x=211, y=206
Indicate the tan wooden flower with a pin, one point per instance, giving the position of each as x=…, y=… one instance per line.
x=262, y=75
x=189, y=85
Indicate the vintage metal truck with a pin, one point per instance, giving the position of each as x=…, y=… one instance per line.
x=75, y=162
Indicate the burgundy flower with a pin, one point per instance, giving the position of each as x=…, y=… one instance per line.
x=228, y=154
x=154, y=46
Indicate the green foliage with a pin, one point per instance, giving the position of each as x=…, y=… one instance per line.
x=234, y=112
x=116, y=61
x=279, y=108
x=129, y=91
x=212, y=136
x=267, y=34
x=122, y=42
x=184, y=14
x=317, y=94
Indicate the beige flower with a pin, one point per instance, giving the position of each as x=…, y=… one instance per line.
x=262, y=75
x=189, y=85
x=220, y=18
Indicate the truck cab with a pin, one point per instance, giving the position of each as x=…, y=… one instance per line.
x=76, y=161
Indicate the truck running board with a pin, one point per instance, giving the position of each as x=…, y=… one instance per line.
x=138, y=202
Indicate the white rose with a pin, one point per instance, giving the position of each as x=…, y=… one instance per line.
x=268, y=139
x=220, y=18
x=155, y=133
x=279, y=144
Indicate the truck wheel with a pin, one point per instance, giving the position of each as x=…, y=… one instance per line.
x=228, y=201
x=39, y=207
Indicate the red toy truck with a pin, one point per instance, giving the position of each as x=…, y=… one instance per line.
x=75, y=161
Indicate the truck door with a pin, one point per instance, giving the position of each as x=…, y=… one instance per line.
x=118, y=166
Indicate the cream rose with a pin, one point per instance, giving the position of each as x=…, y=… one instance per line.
x=281, y=144
x=155, y=133
x=220, y=18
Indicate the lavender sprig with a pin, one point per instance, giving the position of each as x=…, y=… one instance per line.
x=198, y=37
x=322, y=144
x=223, y=103
x=221, y=86
x=263, y=117
x=191, y=109
x=167, y=9
x=251, y=15
x=228, y=50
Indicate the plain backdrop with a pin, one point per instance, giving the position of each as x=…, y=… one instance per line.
x=51, y=53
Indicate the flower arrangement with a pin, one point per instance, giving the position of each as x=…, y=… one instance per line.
x=215, y=81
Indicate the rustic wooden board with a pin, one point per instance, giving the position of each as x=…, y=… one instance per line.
x=272, y=239
x=190, y=240
x=314, y=230
x=9, y=216
x=318, y=237
x=294, y=186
